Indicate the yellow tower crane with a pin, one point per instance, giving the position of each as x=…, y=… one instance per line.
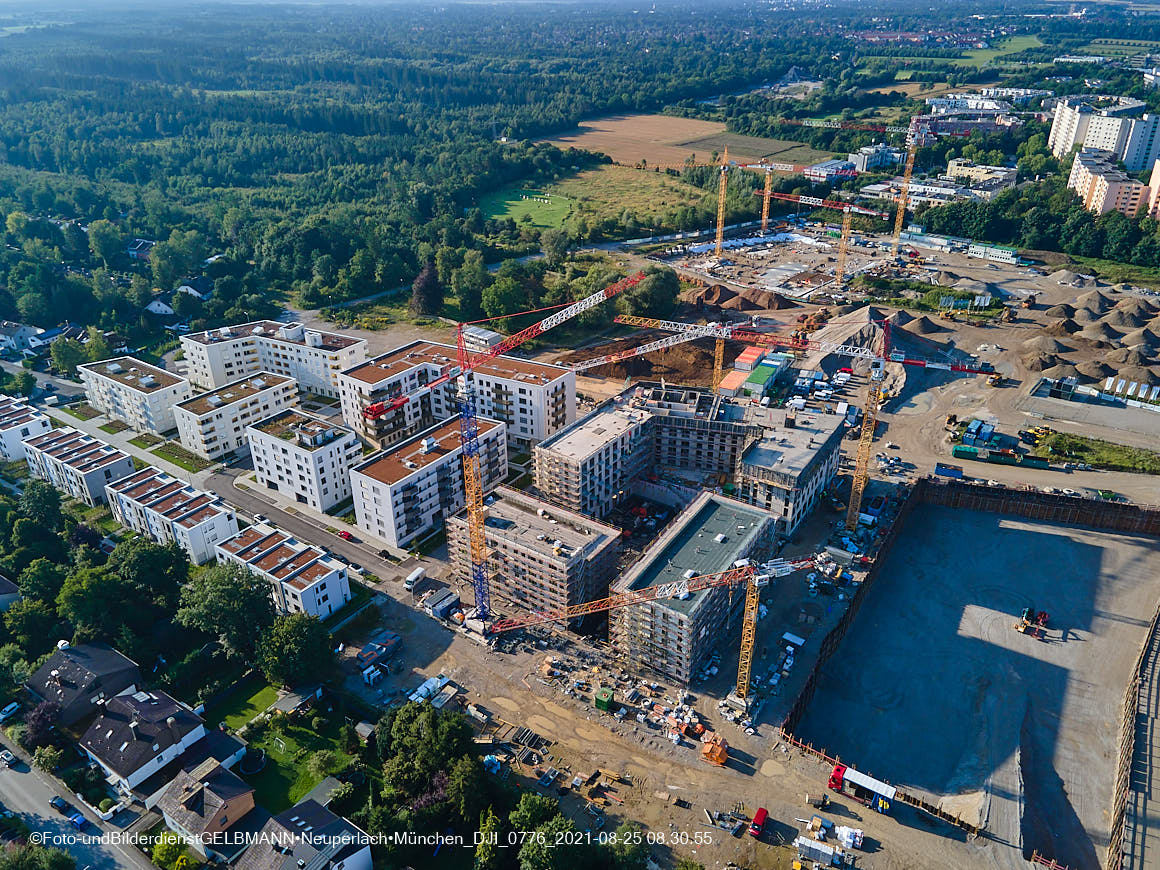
x=722, y=187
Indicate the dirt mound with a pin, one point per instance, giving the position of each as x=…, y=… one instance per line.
x=1046, y=344
x=1138, y=374
x=1122, y=318
x=1082, y=315
x=1037, y=361
x=1127, y=357
x=971, y=286
x=1095, y=301
x=1063, y=370
x=1063, y=276
x=687, y=363
x=772, y=301
x=902, y=318
x=717, y=294
x=1067, y=326
x=1095, y=369
x=1141, y=338
x=1064, y=310
x=947, y=279
x=1100, y=331
x=924, y=326
x=845, y=310
x=743, y=300
x=1137, y=305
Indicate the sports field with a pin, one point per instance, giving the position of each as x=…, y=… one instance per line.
x=546, y=209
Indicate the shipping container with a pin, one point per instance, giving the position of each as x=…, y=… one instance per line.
x=1000, y=458
x=973, y=427
x=955, y=471
x=1034, y=461
x=985, y=432
x=961, y=452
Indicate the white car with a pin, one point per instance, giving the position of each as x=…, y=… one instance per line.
x=7, y=758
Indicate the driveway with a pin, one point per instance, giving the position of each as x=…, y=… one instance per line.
x=26, y=791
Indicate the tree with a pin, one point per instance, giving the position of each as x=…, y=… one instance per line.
x=630, y=850
x=502, y=297
x=417, y=741
x=532, y=811
x=541, y=852
x=97, y=347
x=35, y=857
x=23, y=383
x=167, y=850
x=33, y=624
x=99, y=603
x=47, y=758
x=41, y=581
x=40, y=502
x=467, y=283
x=487, y=853
x=230, y=604
x=40, y=723
x=554, y=243
x=157, y=570
x=14, y=670
x=67, y=354
x=296, y=649
x=655, y=296
x=17, y=225
x=426, y=291
x=323, y=763
x=467, y=788
x=104, y=240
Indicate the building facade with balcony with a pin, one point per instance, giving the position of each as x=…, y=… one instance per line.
x=214, y=423
x=138, y=394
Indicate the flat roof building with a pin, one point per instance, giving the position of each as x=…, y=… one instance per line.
x=303, y=578
x=540, y=556
x=158, y=505
x=19, y=422
x=533, y=399
x=138, y=394
x=311, y=357
x=410, y=489
x=304, y=457
x=1105, y=187
x=75, y=463
x=674, y=637
x=214, y=423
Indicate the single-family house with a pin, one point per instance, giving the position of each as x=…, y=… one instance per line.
x=15, y=336
x=200, y=287
x=138, y=249
x=78, y=677
x=202, y=804
x=308, y=835
x=160, y=305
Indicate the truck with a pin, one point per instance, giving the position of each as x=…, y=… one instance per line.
x=955, y=471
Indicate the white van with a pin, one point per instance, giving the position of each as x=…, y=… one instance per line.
x=414, y=578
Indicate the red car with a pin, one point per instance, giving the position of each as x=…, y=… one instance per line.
x=346, y=536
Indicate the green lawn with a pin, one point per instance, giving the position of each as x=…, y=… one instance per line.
x=82, y=411
x=181, y=457
x=243, y=705
x=1110, y=270
x=1101, y=454
x=285, y=779
x=359, y=595
x=546, y=209
x=114, y=426
x=1012, y=45
x=146, y=440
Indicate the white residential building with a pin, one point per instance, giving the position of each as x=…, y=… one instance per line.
x=18, y=421
x=134, y=392
x=313, y=358
x=213, y=424
x=304, y=457
x=75, y=463
x=534, y=400
x=15, y=336
x=154, y=503
x=410, y=489
x=303, y=578
x=1104, y=124
x=974, y=103
x=869, y=158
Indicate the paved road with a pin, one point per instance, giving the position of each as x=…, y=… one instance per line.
x=26, y=791
x=63, y=387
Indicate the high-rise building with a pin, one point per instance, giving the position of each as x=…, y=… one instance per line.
x=1106, y=124
x=1104, y=187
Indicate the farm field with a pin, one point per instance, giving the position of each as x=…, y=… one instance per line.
x=1121, y=47
x=665, y=140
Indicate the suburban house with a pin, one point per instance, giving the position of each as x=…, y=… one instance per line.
x=139, y=249
x=15, y=336
x=201, y=804
x=138, y=734
x=79, y=677
x=9, y=593
x=200, y=287
x=160, y=306
x=47, y=336
x=308, y=835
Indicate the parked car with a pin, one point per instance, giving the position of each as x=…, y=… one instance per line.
x=9, y=711
x=356, y=567
x=261, y=518
x=78, y=821
x=345, y=535
x=61, y=805
x=7, y=758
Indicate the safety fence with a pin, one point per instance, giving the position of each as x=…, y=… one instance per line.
x=1030, y=504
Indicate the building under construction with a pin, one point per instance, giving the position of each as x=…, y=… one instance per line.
x=674, y=637
x=687, y=439
x=540, y=556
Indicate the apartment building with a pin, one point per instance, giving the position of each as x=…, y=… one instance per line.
x=303, y=578
x=75, y=463
x=158, y=505
x=540, y=556
x=18, y=422
x=533, y=399
x=213, y=424
x=674, y=637
x=961, y=168
x=1104, y=123
x=311, y=357
x=949, y=104
x=410, y=489
x=870, y=158
x=138, y=394
x=1104, y=187
x=305, y=457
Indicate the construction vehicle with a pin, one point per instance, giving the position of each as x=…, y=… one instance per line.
x=1028, y=301
x=951, y=423
x=469, y=427
x=1032, y=623
x=754, y=577
x=714, y=749
x=995, y=381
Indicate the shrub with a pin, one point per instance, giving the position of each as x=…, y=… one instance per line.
x=317, y=724
x=47, y=758
x=105, y=805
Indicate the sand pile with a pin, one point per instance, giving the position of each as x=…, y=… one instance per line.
x=971, y=286
x=1122, y=318
x=902, y=318
x=1063, y=310
x=1095, y=369
x=1067, y=326
x=1037, y=361
x=1137, y=305
x=1100, y=331
x=1062, y=370
x=1047, y=344
x=1141, y=338
x=947, y=279
x=1063, y=276
x=924, y=326
x=1127, y=357
x=1138, y=374
x=1095, y=301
